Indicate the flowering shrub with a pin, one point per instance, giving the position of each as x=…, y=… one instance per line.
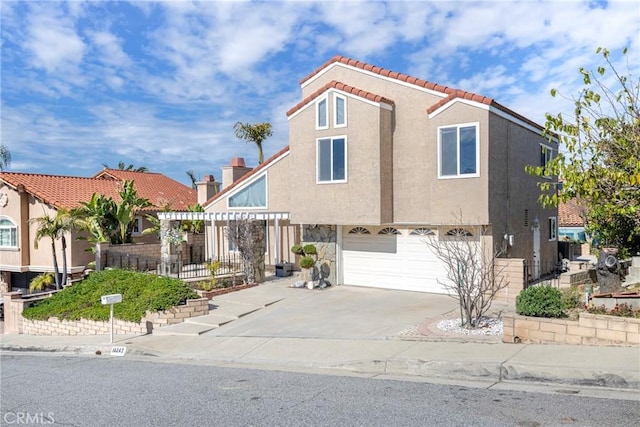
x=174, y=236
x=621, y=310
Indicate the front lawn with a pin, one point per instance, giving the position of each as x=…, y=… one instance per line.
x=140, y=293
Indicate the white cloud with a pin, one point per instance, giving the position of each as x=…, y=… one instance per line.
x=52, y=41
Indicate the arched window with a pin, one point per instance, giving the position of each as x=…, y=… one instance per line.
x=422, y=232
x=8, y=233
x=460, y=232
x=389, y=230
x=359, y=230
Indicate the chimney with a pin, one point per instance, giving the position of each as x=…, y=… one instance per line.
x=207, y=188
x=236, y=170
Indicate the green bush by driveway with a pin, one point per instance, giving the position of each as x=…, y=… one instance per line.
x=140, y=292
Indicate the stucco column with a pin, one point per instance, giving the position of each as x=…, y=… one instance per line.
x=165, y=247
x=13, y=306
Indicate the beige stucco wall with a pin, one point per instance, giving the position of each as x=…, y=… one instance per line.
x=358, y=200
x=418, y=195
x=13, y=257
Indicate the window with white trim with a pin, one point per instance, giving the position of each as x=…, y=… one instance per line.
x=8, y=233
x=331, y=155
x=553, y=228
x=340, y=111
x=137, y=226
x=253, y=195
x=322, y=114
x=546, y=155
x=458, y=149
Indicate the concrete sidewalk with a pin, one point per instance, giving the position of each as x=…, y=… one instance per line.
x=355, y=330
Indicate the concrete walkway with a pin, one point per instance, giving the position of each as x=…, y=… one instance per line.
x=351, y=330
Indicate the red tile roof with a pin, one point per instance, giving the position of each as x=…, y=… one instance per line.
x=343, y=87
x=68, y=191
x=451, y=93
x=571, y=213
x=245, y=177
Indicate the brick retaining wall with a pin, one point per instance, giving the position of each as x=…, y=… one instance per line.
x=589, y=329
x=55, y=326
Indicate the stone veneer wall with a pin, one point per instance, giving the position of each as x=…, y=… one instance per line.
x=324, y=237
x=55, y=326
x=589, y=329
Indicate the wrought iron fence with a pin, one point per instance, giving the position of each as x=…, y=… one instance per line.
x=535, y=272
x=229, y=264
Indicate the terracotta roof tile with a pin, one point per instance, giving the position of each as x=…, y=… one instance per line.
x=343, y=87
x=68, y=191
x=571, y=213
x=246, y=176
x=451, y=93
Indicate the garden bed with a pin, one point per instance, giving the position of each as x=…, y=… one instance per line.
x=221, y=291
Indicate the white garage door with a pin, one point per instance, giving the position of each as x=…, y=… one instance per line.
x=389, y=260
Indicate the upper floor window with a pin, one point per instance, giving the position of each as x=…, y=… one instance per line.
x=458, y=149
x=332, y=159
x=546, y=154
x=553, y=228
x=322, y=114
x=253, y=195
x=8, y=234
x=340, y=111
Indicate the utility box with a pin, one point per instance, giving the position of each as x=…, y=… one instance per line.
x=284, y=269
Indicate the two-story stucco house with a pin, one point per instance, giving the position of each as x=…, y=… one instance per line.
x=25, y=196
x=376, y=162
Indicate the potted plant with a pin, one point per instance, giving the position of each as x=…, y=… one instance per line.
x=306, y=264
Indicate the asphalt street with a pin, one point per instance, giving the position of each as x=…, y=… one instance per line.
x=101, y=391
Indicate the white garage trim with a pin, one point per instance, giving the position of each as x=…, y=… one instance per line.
x=392, y=258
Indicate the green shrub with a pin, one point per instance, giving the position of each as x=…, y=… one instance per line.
x=310, y=249
x=540, y=301
x=572, y=297
x=307, y=262
x=140, y=292
x=297, y=249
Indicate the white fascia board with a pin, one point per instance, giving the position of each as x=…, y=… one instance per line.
x=382, y=105
x=369, y=73
x=491, y=109
x=221, y=216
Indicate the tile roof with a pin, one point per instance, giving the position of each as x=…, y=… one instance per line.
x=68, y=191
x=451, y=93
x=571, y=213
x=245, y=177
x=343, y=87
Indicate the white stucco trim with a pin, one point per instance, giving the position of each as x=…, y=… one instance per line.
x=221, y=216
x=370, y=73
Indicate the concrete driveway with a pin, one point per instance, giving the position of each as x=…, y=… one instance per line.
x=341, y=312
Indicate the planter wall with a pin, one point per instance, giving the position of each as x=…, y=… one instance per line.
x=589, y=329
x=54, y=326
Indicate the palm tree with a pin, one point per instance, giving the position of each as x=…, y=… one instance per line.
x=5, y=157
x=48, y=227
x=123, y=167
x=127, y=210
x=254, y=133
x=192, y=177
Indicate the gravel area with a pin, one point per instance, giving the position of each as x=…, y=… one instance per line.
x=488, y=326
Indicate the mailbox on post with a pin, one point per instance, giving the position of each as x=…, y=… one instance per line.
x=111, y=299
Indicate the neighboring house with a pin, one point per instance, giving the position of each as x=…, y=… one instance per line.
x=379, y=161
x=571, y=224
x=24, y=196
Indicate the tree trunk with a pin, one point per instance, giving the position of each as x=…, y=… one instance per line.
x=56, y=270
x=64, y=261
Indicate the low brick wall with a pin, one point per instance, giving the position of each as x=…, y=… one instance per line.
x=510, y=271
x=589, y=329
x=55, y=326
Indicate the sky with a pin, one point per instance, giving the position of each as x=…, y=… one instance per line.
x=161, y=84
